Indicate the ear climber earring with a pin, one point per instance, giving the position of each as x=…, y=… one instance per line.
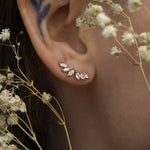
x=70, y=72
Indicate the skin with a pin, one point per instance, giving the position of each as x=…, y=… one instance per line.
x=111, y=111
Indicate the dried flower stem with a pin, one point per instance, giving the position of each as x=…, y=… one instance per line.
x=127, y=52
x=145, y=77
x=140, y=64
x=146, y=9
x=24, y=81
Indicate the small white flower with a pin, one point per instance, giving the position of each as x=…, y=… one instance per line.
x=79, y=22
x=5, y=95
x=134, y=5
x=12, y=147
x=144, y=38
x=102, y=19
x=46, y=96
x=15, y=99
x=12, y=120
x=117, y=8
x=5, y=35
x=93, y=9
x=7, y=138
x=23, y=107
x=143, y=48
x=128, y=38
x=10, y=75
x=2, y=78
x=115, y=51
x=145, y=54
x=109, y=31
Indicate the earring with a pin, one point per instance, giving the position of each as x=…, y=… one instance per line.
x=70, y=72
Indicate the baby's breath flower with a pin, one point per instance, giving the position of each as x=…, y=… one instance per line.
x=7, y=138
x=79, y=22
x=109, y=31
x=134, y=5
x=144, y=38
x=2, y=120
x=13, y=103
x=12, y=147
x=102, y=19
x=5, y=95
x=1, y=87
x=115, y=51
x=12, y=119
x=143, y=48
x=93, y=9
x=5, y=35
x=10, y=75
x=2, y=78
x=128, y=38
x=145, y=54
x=117, y=8
x=46, y=96
x=5, y=142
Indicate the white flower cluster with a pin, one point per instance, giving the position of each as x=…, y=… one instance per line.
x=145, y=53
x=109, y=31
x=116, y=8
x=102, y=19
x=46, y=97
x=134, y=5
x=5, y=142
x=115, y=51
x=93, y=9
x=95, y=16
x=11, y=102
x=144, y=38
x=128, y=38
x=5, y=35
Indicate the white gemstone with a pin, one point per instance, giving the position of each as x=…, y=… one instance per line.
x=82, y=76
x=63, y=65
x=70, y=73
x=78, y=76
x=86, y=76
x=66, y=69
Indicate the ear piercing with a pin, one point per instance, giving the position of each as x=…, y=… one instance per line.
x=70, y=72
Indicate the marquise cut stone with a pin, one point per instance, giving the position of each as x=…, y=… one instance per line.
x=71, y=72
x=82, y=76
x=86, y=76
x=78, y=76
x=66, y=69
x=63, y=65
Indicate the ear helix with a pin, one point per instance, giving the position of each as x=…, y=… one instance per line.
x=72, y=72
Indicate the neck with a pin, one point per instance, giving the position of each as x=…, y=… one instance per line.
x=84, y=118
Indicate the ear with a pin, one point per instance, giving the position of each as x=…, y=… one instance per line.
x=51, y=27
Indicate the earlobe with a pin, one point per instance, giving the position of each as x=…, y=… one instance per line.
x=79, y=68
